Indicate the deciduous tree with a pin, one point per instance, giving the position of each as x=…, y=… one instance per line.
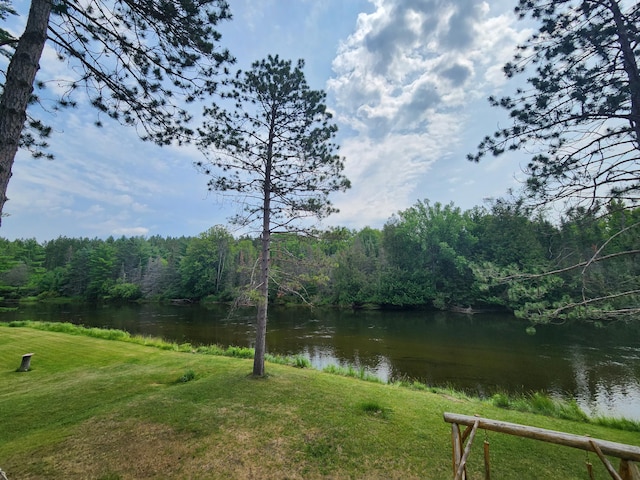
x=205, y=263
x=273, y=145
x=430, y=246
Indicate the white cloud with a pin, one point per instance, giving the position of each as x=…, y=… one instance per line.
x=103, y=180
x=131, y=231
x=387, y=171
x=403, y=82
x=408, y=59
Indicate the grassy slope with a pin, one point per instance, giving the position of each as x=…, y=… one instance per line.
x=102, y=409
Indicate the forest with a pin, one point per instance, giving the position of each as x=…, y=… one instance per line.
x=428, y=256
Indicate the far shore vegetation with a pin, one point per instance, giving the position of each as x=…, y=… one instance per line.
x=430, y=256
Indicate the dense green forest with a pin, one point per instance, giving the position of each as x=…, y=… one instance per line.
x=429, y=255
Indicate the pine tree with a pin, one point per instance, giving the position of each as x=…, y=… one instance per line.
x=272, y=145
x=580, y=116
x=138, y=61
x=580, y=110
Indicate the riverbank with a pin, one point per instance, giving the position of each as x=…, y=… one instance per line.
x=480, y=354
x=93, y=408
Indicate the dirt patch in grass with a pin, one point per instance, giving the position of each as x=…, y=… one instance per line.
x=110, y=449
x=128, y=449
x=242, y=453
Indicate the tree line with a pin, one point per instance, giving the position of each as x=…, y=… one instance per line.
x=428, y=256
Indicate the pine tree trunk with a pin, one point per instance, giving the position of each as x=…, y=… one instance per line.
x=630, y=67
x=261, y=321
x=18, y=87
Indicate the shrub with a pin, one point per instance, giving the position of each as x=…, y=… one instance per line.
x=301, y=362
x=298, y=361
x=360, y=373
x=501, y=400
x=542, y=404
x=618, y=423
x=125, y=291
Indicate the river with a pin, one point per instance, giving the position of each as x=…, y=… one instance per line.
x=480, y=354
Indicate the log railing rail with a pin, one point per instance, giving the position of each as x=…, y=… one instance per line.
x=628, y=454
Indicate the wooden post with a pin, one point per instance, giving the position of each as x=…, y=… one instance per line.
x=457, y=446
x=487, y=461
x=25, y=366
x=605, y=461
x=461, y=473
x=628, y=470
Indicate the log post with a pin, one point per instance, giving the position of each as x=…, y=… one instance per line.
x=487, y=461
x=456, y=441
x=25, y=366
x=628, y=470
x=605, y=461
x=461, y=473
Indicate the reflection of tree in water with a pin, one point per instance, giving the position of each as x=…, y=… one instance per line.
x=607, y=380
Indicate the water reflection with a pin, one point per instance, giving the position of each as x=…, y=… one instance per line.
x=481, y=354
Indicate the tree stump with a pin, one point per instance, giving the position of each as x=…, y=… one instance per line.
x=25, y=366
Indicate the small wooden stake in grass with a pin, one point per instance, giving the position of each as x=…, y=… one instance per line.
x=25, y=366
x=487, y=461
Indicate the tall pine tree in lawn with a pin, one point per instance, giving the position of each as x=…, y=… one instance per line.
x=271, y=142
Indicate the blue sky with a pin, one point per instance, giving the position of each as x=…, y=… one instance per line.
x=407, y=81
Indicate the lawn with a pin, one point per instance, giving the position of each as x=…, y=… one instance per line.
x=101, y=409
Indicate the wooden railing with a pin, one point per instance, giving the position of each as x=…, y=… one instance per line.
x=628, y=454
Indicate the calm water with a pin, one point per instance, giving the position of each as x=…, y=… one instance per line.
x=480, y=353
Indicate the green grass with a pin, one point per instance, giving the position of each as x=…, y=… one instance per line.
x=541, y=404
x=92, y=408
x=115, y=334
x=618, y=423
x=376, y=409
x=350, y=371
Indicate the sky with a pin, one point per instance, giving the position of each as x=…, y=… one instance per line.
x=407, y=82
